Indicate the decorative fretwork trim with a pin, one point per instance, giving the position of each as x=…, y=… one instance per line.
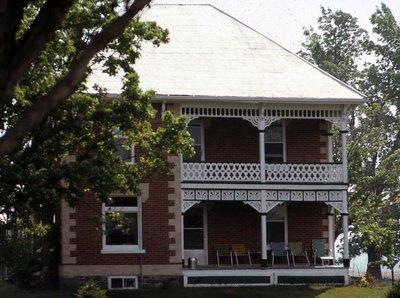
x=256, y=205
x=270, y=205
x=263, y=116
x=339, y=206
x=186, y=205
x=334, y=196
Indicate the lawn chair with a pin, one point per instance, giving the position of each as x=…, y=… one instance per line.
x=222, y=251
x=239, y=250
x=318, y=248
x=279, y=250
x=296, y=250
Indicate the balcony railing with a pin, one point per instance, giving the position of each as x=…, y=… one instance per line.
x=250, y=172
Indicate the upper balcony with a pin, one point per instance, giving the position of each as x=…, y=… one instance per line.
x=294, y=147
x=329, y=173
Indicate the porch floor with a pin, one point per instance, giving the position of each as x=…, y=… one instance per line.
x=245, y=275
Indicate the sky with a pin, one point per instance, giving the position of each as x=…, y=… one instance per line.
x=283, y=20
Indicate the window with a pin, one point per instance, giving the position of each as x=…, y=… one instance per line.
x=196, y=132
x=127, y=154
x=122, y=225
x=274, y=143
x=277, y=225
x=194, y=228
x=122, y=282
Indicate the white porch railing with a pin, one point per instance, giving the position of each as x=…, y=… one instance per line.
x=211, y=171
x=315, y=172
x=250, y=172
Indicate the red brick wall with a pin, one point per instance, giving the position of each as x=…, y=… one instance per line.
x=236, y=140
x=305, y=222
x=155, y=227
x=234, y=222
x=303, y=141
x=230, y=140
x=230, y=223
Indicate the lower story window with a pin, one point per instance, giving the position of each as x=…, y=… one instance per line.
x=122, y=225
x=122, y=282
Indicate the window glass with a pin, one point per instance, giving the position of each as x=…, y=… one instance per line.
x=274, y=143
x=125, y=153
x=116, y=283
x=121, y=228
x=193, y=229
x=275, y=231
x=122, y=201
x=195, y=132
x=129, y=282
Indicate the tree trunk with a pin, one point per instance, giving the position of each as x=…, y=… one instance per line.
x=392, y=271
x=373, y=268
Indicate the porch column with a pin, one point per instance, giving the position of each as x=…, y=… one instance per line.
x=263, y=240
x=262, y=153
x=263, y=212
x=343, y=132
x=182, y=244
x=331, y=231
x=345, y=219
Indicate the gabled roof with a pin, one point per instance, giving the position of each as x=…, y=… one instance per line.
x=213, y=56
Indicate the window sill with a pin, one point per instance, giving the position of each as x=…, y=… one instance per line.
x=122, y=250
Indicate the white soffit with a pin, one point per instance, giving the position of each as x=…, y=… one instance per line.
x=212, y=56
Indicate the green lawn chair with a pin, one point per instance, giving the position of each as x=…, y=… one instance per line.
x=296, y=251
x=279, y=250
x=223, y=251
x=318, y=248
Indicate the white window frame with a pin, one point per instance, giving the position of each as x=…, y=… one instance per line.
x=285, y=221
x=125, y=249
x=201, y=124
x=117, y=135
x=283, y=140
x=122, y=277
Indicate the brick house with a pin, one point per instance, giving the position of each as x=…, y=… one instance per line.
x=261, y=119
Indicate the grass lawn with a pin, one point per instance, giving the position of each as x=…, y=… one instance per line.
x=10, y=291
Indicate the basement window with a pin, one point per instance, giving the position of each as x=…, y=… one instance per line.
x=122, y=282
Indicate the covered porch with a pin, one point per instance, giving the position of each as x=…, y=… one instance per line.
x=210, y=223
x=215, y=217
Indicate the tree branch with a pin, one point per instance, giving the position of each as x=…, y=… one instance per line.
x=13, y=139
x=29, y=46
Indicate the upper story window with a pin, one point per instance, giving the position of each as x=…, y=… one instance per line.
x=127, y=154
x=195, y=129
x=122, y=225
x=275, y=143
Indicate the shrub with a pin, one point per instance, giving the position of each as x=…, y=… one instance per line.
x=394, y=292
x=367, y=281
x=90, y=289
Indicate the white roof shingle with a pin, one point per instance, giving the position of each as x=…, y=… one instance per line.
x=211, y=55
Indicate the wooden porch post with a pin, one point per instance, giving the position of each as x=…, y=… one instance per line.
x=262, y=154
x=263, y=240
x=331, y=231
x=182, y=239
x=345, y=214
x=345, y=219
x=343, y=132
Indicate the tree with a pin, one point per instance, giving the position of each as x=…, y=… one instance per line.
x=63, y=138
x=374, y=173
x=337, y=45
x=24, y=37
